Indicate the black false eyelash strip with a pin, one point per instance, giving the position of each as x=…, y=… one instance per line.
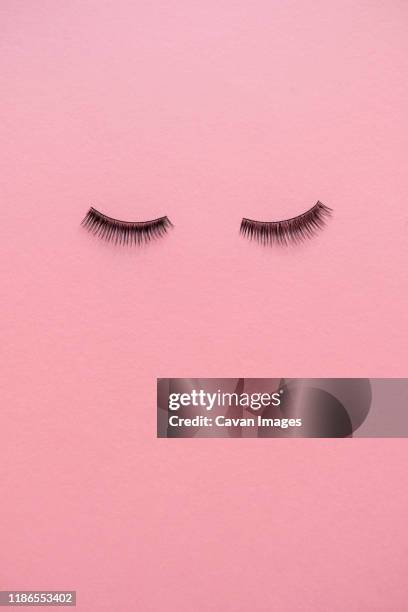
x=124, y=232
x=294, y=230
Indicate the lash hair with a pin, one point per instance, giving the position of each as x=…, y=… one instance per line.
x=294, y=230
x=124, y=232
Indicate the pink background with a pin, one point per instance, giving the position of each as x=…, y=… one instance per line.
x=207, y=112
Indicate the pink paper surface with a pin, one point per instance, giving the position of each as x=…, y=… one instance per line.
x=207, y=112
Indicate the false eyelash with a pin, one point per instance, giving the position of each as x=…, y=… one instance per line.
x=124, y=232
x=294, y=230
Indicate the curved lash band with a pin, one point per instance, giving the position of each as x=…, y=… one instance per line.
x=294, y=230
x=124, y=232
